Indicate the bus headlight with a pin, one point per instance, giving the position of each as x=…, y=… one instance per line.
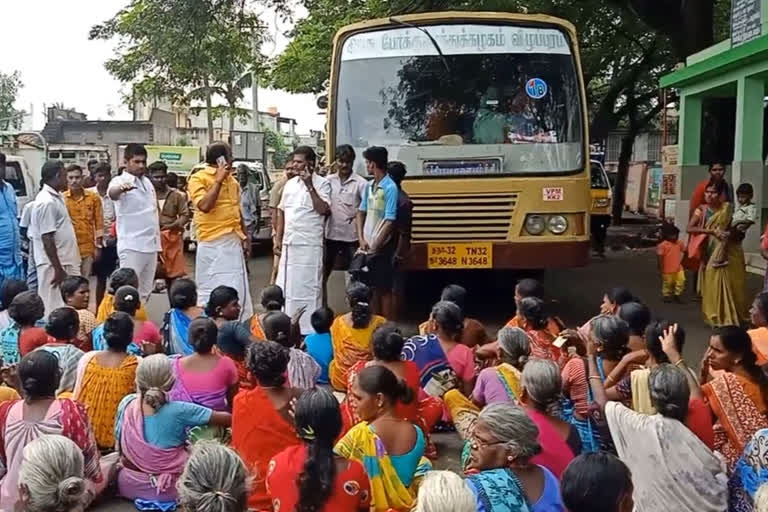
x=557, y=224
x=535, y=224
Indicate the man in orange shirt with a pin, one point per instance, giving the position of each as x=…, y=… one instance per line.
x=670, y=253
x=85, y=210
x=223, y=244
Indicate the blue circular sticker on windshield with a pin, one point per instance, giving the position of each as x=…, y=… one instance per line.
x=536, y=88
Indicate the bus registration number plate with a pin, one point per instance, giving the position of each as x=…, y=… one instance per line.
x=552, y=193
x=460, y=255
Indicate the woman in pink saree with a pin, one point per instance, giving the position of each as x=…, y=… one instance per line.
x=152, y=435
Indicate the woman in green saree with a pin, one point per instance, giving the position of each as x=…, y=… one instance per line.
x=722, y=273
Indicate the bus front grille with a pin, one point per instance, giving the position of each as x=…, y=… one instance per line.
x=477, y=216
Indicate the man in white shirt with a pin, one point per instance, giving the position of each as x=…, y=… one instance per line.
x=138, y=224
x=301, y=214
x=347, y=189
x=53, y=236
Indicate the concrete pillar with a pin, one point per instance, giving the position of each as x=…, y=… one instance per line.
x=689, y=142
x=748, y=151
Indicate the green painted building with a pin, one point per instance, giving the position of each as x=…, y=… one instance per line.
x=736, y=68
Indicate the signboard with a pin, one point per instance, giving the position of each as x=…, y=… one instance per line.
x=653, y=197
x=745, y=21
x=249, y=146
x=179, y=159
x=454, y=39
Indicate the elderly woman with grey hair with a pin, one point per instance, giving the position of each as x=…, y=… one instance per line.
x=51, y=477
x=445, y=491
x=672, y=468
x=214, y=480
x=504, y=476
x=498, y=384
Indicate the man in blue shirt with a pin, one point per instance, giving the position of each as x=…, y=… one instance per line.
x=375, y=228
x=11, y=265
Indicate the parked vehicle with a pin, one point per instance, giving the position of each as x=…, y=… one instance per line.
x=25, y=154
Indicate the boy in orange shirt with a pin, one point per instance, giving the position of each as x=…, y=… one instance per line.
x=670, y=252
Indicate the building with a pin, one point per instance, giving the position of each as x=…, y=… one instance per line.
x=734, y=71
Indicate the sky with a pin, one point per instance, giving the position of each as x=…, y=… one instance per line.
x=47, y=41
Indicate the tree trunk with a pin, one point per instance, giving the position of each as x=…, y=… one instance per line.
x=232, y=114
x=209, y=112
x=620, y=189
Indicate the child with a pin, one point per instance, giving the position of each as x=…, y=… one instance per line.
x=745, y=213
x=76, y=293
x=10, y=289
x=303, y=371
x=670, y=253
x=319, y=345
x=120, y=277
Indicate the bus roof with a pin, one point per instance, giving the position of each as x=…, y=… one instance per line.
x=457, y=17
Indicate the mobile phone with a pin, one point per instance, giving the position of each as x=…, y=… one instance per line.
x=559, y=341
x=221, y=161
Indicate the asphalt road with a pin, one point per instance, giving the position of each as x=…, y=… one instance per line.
x=576, y=293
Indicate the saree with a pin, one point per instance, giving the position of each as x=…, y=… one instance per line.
x=64, y=417
x=361, y=444
x=722, y=288
x=759, y=339
x=671, y=468
x=176, y=333
x=148, y=472
x=101, y=389
x=9, y=344
x=257, y=438
x=69, y=357
x=436, y=376
x=740, y=410
x=216, y=400
x=256, y=328
x=498, y=490
x=749, y=473
x=350, y=345
x=107, y=307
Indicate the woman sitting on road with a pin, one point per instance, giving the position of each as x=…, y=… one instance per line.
x=534, y=323
x=738, y=396
x=76, y=293
x=146, y=336
x=184, y=309
x=272, y=299
x=672, y=469
x=637, y=316
x=309, y=476
x=303, y=370
x=119, y=278
x=151, y=434
x=105, y=377
x=214, y=480
x=501, y=472
x=23, y=336
x=611, y=303
x=351, y=334
x=391, y=449
x=499, y=384
x=61, y=328
x=473, y=334
x=443, y=362
x=262, y=423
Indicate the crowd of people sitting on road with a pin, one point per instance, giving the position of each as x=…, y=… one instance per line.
x=211, y=413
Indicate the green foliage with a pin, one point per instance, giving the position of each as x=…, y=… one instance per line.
x=276, y=142
x=184, y=50
x=10, y=84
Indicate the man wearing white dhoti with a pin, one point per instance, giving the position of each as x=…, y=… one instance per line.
x=53, y=236
x=223, y=244
x=299, y=237
x=137, y=218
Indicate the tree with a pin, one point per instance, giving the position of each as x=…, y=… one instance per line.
x=183, y=50
x=10, y=84
x=276, y=142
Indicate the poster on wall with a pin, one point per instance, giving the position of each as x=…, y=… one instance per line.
x=653, y=196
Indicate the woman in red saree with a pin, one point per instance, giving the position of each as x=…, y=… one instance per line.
x=738, y=396
x=262, y=425
x=425, y=412
x=535, y=324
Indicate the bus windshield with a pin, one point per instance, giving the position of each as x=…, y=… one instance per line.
x=507, y=95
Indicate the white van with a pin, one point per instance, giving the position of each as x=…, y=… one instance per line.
x=18, y=174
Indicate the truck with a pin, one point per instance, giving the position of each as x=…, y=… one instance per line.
x=25, y=153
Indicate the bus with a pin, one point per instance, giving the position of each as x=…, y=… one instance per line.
x=487, y=111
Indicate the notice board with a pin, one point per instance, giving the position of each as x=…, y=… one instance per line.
x=745, y=21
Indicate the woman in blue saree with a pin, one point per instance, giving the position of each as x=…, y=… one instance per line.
x=749, y=473
x=184, y=309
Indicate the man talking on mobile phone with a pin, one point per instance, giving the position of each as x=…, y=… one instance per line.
x=223, y=243
x=299, y=237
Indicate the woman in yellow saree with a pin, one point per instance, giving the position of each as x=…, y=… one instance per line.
x=390, y=449
x=351, y=335
x=722, y=273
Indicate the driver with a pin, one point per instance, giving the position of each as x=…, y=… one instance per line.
x=490, y=122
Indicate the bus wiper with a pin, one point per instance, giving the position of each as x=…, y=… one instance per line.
x=431, y=39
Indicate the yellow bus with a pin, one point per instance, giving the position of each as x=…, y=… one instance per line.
x=487, y=111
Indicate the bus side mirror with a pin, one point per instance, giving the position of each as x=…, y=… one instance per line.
x=322, y=101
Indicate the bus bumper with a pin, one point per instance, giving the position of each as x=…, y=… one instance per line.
x=517, y=255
